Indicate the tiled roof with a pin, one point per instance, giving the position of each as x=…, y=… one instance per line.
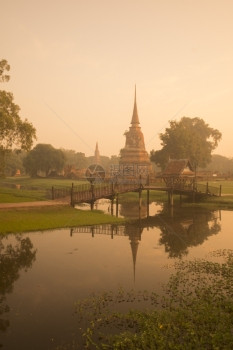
x=178, y=167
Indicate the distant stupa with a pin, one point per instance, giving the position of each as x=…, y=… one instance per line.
x=134, y=158
x=97, y=154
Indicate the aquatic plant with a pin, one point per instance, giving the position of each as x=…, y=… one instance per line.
x=194, y=312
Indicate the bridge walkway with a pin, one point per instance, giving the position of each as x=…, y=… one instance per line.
x=89, y=193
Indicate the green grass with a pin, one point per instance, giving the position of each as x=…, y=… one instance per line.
x=154, y=195
x=36, y=219
x=213, y=203
x=10, y=195
x=45, y=183
x=26, y=189
x=227, y=186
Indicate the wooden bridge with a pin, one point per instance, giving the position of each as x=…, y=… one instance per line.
x=107, y=229
x=91, y=192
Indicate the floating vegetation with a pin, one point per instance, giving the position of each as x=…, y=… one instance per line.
x=194, y=312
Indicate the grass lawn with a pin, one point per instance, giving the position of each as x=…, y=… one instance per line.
x=227, y=186
x=154, y=195
x=26, y=189
x=45, y=183
x=10, y=195
x=36, y=219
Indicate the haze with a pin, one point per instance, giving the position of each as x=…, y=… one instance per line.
x=74, y=64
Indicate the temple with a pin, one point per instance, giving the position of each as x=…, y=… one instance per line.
x=134, y=159
x=97, y=154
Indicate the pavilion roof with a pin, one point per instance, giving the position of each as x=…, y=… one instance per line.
x=178, y=167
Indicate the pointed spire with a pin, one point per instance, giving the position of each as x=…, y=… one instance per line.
x=135, y=119
x=134, y=248
x=97, y=154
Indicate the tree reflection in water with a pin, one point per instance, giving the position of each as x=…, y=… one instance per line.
x=183, y=228
x=180, y=227
x=14, y=257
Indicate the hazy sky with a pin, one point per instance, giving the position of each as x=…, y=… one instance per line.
x=74, y=64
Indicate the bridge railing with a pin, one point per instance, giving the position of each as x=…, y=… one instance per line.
x=60, y=192
x=209, y=190
x=90, y=192
x=107, y=229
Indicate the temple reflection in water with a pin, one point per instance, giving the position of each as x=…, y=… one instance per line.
x=179, y=230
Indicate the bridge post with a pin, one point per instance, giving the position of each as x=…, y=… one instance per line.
x=194, y=190
x=148, y=196
x=72, y=195
x=117, y=205
x=92, y=196
x=140, y=201
x=207, y=188
x=172, y=199
x=194, y=197
x=220, y=190
x=52, y=192
x=148, y=203
x=170, y=194
x=140, y=198
x=112, y=201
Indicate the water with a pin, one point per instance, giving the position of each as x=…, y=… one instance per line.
x=42, y=274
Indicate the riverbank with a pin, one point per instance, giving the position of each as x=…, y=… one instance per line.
x=25, y=208
x=29, y=218
x=45, y=215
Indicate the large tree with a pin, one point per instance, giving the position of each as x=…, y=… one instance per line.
x=14, y=162
x=44, y=158
x=14, y=132
x=75, y=159
x=188, y=138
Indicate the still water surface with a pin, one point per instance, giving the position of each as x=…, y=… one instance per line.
x=42, y=274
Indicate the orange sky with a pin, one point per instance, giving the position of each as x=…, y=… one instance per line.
x=74, y=64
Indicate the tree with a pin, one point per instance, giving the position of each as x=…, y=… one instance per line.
x=14, y=132
x=220, y=165
x=4, y=66
x=44, y=158
x=14, y=162
x=189, y=138
x=75, y=159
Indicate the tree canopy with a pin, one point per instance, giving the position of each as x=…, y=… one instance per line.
x=44, y=158
x=14, y=132
x=189, y=138
x=4, y=66
x=75, y=159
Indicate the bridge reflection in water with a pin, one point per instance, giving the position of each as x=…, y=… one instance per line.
x=179, y=230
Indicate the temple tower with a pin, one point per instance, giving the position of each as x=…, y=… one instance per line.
x=97, y=154
x=134, y=159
